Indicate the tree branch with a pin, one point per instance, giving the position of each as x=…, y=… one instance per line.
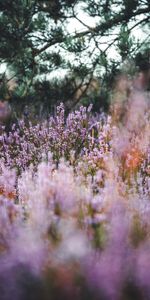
x=129, y=30
x=104, y=26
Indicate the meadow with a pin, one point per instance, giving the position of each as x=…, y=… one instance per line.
x=75, y=205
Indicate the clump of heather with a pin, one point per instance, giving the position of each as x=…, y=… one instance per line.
x=28, y=144
x=75, y=206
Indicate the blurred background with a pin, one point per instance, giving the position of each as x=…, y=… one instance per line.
x=69, y=51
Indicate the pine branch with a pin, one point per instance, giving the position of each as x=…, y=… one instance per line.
x=102, y=28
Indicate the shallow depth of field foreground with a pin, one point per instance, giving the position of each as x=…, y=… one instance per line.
x=75, y=205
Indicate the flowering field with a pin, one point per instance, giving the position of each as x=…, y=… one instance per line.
x=75, y=206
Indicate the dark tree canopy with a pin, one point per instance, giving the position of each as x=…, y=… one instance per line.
x=38, y=46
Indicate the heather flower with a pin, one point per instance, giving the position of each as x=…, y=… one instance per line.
x=74, y=204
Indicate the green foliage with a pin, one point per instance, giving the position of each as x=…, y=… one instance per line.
x=125, y=42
